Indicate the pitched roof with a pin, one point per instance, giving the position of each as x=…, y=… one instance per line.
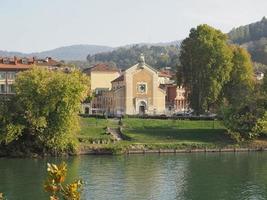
x=120, y=78
x=15, y=63
x=166, y=73
x=47, y=62
x=101, y=67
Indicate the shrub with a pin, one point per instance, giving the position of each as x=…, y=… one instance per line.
x=55, y=184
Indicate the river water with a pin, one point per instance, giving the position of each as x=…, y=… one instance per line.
x=200, y=176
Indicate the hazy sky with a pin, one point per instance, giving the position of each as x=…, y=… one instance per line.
x=37, y=25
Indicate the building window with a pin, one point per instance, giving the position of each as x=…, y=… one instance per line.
x=2, y=75
x=11, y=75
x=10, y=89
x=2, y=88
x=24, y=61
x=6, y=60
x=142, y=88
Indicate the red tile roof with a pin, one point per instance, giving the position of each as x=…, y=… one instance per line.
x=14, y=67
x=166, y=73
x=101, y=67
x=16, y=63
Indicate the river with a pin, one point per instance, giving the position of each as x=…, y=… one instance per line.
x=196, y=176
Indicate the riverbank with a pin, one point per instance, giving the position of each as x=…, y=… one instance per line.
x=159, y=136
x=142, y=136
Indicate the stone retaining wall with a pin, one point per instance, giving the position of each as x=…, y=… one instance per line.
x=162, y=151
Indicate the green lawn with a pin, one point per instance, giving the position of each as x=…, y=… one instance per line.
x=153, y=133
x=176, y=132
x=93, y=129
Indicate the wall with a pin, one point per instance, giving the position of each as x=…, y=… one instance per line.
x=102, y=79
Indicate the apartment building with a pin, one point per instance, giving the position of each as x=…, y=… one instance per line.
x=10, y=66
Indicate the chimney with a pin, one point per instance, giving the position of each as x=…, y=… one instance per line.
x=48, y=59
x=15, y=60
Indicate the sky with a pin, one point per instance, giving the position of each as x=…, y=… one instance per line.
x=38, y=25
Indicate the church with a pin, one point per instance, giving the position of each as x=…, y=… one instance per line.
x=139, y=90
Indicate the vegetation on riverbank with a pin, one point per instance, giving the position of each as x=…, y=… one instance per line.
x=218, y=78
x=153, y=134
x=42, y=117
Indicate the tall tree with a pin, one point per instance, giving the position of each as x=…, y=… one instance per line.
x=48, y=104
x=264, y=84
x=241, y=77
x=206, y=63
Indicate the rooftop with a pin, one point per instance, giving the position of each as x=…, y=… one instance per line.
x=166, y=73
x=101, y=67
x=120, y=78
x=16, y=63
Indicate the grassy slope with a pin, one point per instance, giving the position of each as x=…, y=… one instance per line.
x=154, y=134
x=93, y=129
x=175, y=131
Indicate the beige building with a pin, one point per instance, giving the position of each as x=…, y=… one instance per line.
x=138, y=90
x=101, y=76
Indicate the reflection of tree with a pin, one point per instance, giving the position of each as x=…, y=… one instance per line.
x=226, y=176
x=22, y=178
x=183, y=176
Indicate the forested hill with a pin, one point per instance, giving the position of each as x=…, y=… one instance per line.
x=124, y=57
x=251, y=32
x=254, y=38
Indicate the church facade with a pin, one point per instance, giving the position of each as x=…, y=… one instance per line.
x=140, y=90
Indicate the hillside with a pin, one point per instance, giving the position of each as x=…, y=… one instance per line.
x=156, y=56
x=254, y=38
x=73, y=52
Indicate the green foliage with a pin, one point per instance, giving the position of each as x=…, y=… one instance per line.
x=250, y=32
x=245, y=117
x=47, y=106
x=206, y=63
x=241, y=81
x=258, y=50
x=254, y=38
x=125, y=57
x=11, y=124
x=248, y=120
x=55, y=184
x=264, y=85
x=78, y=64
x=2, y=196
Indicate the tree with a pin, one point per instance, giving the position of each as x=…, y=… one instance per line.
x=48, y=103
x=248, y=120
x=55, y=184
x=2, y=196
x=264, y=84
x=205, y=65
x=124, y=57
x=241, y=77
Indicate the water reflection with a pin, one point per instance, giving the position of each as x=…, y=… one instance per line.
x=182, y=176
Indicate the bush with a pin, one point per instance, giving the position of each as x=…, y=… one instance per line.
x=43, y=114
x=55, y=184
x=247, y=121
